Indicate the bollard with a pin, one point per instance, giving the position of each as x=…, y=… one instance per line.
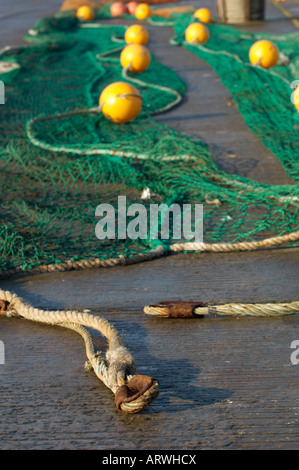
x=240, y=11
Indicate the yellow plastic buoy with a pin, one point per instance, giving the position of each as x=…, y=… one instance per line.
x=121, y=102
x=143, y=11
x=204, y=15
x=136, y=57
x=264, y=53
x=85, y=13
x=197, y=33
x=295, y=98
x=136, y=34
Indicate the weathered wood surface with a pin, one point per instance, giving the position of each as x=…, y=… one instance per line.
x=225, y=383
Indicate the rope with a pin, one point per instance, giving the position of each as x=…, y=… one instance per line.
x=88, y=151
x=232, y=309
x=116, y=370
x=178, y=96
x=160, y=251
x=152, y=22
x=240, y=246
x=91, y=263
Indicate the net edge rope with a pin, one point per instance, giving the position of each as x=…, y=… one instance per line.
x=160, y=251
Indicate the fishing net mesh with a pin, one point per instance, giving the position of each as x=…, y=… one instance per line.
x=58, y=165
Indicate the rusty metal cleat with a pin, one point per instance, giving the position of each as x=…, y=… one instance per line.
x=137, y=387
x=179, y=308
x=3, y=307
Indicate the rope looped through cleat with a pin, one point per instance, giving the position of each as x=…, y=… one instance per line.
x=140, y=391
x=174, y=309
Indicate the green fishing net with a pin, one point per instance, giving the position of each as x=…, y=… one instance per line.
x=263, y=96
x=58, y=165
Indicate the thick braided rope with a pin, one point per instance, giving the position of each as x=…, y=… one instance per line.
x=115, y=369
x=116, y=351
x=233, y=309
x=241, y=246
x=90, y=264
x=156, y=253
x=6, y=67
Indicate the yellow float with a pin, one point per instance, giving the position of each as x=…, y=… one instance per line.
x=136, y=34
x=143, y=11
x=85, y=13
x=295, y=98
x=204, y=15
x=120, y=102
x=264, y=53
x=136, y=57
x=197, y=33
